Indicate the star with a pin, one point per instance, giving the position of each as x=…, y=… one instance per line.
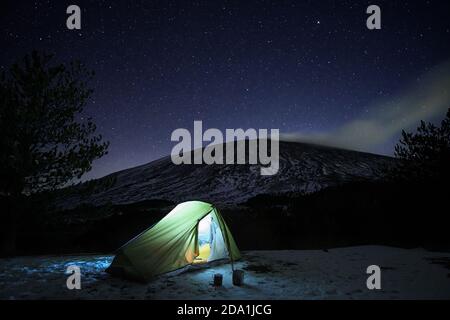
x=158, y=66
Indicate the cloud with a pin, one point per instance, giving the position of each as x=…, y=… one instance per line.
x=428, y=98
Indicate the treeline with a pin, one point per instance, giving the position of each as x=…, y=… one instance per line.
x=390, y=213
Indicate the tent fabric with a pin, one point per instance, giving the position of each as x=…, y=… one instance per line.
x=170, y=244
x=218, y=247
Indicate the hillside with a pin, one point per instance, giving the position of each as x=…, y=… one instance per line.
x=303, y=168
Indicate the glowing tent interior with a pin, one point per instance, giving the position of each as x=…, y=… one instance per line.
x=194, y=232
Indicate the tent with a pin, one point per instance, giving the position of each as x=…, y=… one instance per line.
x=194, y=232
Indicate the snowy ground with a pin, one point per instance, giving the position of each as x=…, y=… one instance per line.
x=300, y=274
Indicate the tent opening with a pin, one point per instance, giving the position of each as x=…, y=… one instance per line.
x=210, y=240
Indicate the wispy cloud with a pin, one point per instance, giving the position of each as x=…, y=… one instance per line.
x=428, y=98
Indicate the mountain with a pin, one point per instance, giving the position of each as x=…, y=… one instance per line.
x=303, y=168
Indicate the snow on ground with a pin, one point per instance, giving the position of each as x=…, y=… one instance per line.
x=289, y=274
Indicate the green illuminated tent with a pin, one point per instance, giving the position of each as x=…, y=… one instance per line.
x=192, y=233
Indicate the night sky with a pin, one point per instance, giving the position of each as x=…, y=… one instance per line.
x=305, y=67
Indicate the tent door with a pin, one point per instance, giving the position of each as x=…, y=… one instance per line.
x=210, y=240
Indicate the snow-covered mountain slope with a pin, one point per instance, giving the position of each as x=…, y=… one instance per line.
x=303, y=168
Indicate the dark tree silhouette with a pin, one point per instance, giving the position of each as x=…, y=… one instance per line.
x=425, y=154
x=45, y=141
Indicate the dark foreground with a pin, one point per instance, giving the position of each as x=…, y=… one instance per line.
x=286, y=274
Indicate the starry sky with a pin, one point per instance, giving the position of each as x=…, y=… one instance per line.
x=307, y=68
